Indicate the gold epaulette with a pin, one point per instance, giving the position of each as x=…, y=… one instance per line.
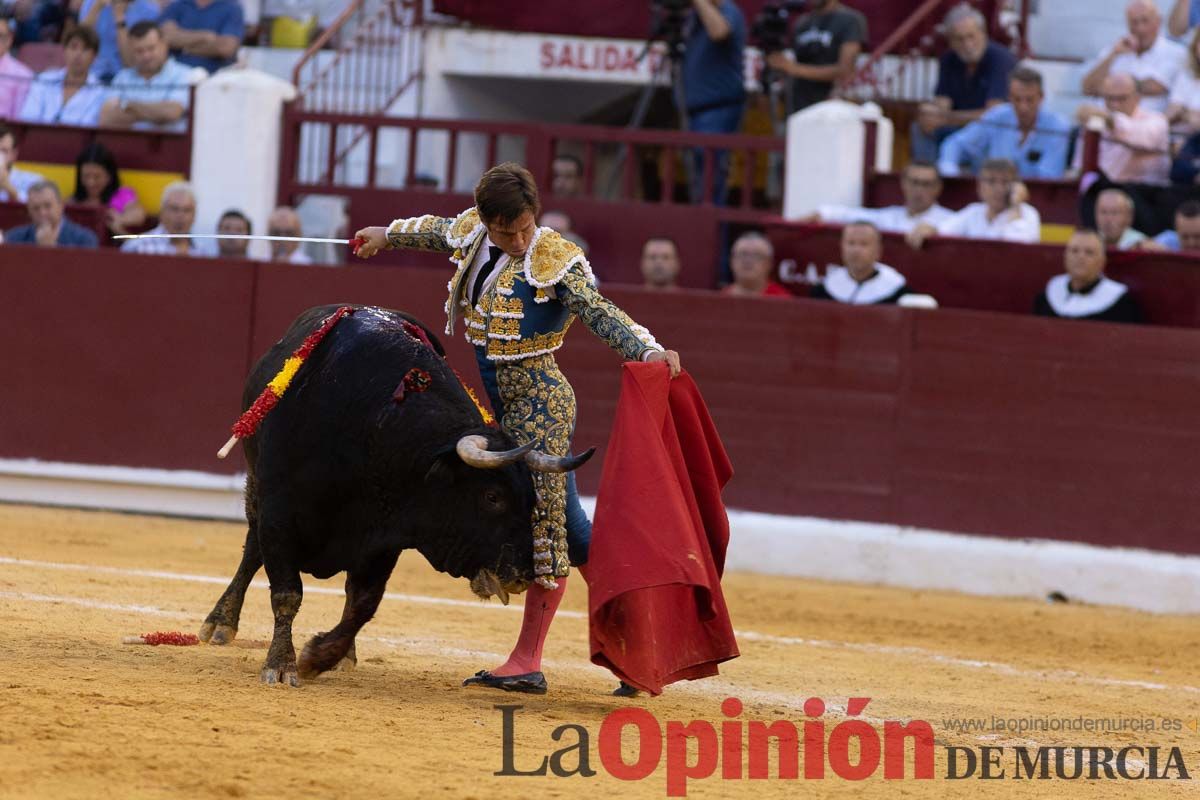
x=464, y=229
x=549, y=258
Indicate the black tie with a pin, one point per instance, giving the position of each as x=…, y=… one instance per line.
x=484, y=271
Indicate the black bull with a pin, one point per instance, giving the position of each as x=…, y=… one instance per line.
x=349, y=469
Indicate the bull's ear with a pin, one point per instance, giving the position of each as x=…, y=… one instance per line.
x=441, y=471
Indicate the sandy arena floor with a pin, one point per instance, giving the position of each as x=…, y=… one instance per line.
x=82, y=715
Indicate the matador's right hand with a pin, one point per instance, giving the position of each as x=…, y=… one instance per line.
x=370, y=241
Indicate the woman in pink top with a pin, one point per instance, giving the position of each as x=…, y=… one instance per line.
x=15, y=77
x=97, y=183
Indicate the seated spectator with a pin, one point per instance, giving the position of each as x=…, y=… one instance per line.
x=972, y=77
x=1186, y=236
x=1135, y=145
x=1154, y=61
x=97, y=183
x=236, y=223
x=48, y=226
x=921, y=186
x=110, y=19
x=1185, y=167
x=557, y=221
x=567, y=176
x=752, y=260
x=1083, y=292
x=70, y=95
x=15, y=77
x=1184, y=14
x=861, y=280
x=204, y=33
x=14, y=182
x=284, y=221
x=1183, y=103
x=1114, y=220
x=1022, y=130
x=153, y=93
x=660, y=264
x=1001, y=212
x=36, y=20
x=177, y=216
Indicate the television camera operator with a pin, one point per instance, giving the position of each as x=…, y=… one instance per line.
x=826, y=43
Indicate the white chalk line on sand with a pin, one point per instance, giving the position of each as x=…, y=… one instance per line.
x=916, y=653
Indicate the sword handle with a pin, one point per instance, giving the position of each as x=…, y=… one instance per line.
x=356, y=243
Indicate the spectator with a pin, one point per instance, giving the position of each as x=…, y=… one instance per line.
x=861, y=280
x=236, y=223
x=660, y=264
x=153, y=93
x=1184, y=14
x=1082, y=291
x=972, y=77
x=48, y=226
x=1186, y=236
x=753, y=263
x=15, y=77
x=557, y=221
x=1001, y=212
x=1152, y=60
x=204, y=33
x=284, y=221
x=1183, y=103
x=567, y=180
x=14, y=183
x=826, y=44
x=1021, y=130
x=1135, y=145
x=70, y=95
x=921, y=186
x=1114, y=220
x=1185, y=167
x=111, y=19
x=36, y=20
x=177, y=216
x=714, y=83
x=97, y=183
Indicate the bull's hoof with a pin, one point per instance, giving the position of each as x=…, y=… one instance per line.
x=323, y=653
x=217, y=633
x=350, y=661
x=283, y=676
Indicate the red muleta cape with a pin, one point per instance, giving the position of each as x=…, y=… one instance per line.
x=656, y=611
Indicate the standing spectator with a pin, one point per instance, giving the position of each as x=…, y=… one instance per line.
x=714, y=83
x=1114, y=220
x=1186, y=236
x=1183, y=103
x=1083, y=292
x=1001, y=212
x=238, y=224
x=660, y=264
x=204, y=33
x=1135, y=146
x=1185, y=14
x=97, y=183
x=15, y=77
x=1021, y=130
x=972, y=77
x=284, y=221
x=177, y=216
x=152, y=94
x=753, y=263
x=921, y=186
x=70, y=95
x=1152, y=60
x=48, y=226
x=111, y=19
x=861, y=280
x=566, y=176
x=14, y=182
x=826, y=44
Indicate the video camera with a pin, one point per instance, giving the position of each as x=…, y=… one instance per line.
x=769, y=30
x=669, y=17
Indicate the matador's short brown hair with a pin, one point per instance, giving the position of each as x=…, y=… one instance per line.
x=505, y=192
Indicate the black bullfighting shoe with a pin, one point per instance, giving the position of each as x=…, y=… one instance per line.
x=529, y=682
x=625, y=690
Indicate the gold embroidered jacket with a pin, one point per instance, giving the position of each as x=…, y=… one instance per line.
x=533, y=300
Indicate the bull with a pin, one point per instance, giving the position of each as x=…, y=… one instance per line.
x=359, y=462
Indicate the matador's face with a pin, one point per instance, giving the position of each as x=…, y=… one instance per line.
x=513, y=237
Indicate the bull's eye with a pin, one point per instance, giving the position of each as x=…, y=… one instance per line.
x=493, y=500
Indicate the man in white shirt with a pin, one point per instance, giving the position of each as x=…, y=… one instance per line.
x=177, y=216
x=921, y=186
x=1001, y=212
x=284, y=221
x=1151, y=58
x=14, y=183
x=1114, y=220
x=861, y=280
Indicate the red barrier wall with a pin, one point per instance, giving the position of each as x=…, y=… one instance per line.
x=959, y=420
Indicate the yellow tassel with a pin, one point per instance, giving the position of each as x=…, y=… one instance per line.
x=279, y=383
x=488, y=419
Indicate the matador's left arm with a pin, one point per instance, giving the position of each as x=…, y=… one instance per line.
x=577, y=291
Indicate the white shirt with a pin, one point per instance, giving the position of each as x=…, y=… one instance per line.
x=482, y=257
x=1073, y=304
x=879, y=287
x=1185, y=91
x=892, y=219
x=44, y=103
x=972, y=223
x=1162, y=62
x=21, y=181
x=166, y=247
x=298, y=256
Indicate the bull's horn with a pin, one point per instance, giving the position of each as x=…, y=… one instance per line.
x=540, y=462
x=473, y=451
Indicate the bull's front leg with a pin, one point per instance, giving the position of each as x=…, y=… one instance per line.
x=287, y=592
x=363, y=593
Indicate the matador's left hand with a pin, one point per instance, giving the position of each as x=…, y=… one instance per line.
x=669, y=356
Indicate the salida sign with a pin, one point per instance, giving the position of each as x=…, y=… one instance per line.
x=605, y=58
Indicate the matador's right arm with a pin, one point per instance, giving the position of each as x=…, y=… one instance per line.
x=421, y=233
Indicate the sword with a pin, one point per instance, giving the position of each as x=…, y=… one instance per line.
x=354, y=243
